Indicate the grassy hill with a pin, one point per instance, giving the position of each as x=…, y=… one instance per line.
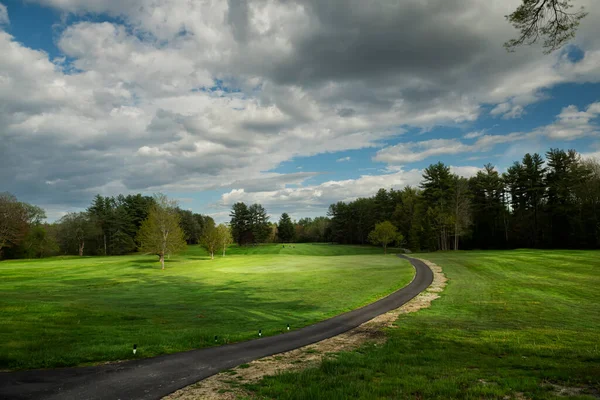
x=519, y=324
x=68, y=311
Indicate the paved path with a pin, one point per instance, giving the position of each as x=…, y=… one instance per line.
x=153, y=378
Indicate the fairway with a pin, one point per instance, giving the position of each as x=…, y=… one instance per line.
x=69, y=311
x=509, y=325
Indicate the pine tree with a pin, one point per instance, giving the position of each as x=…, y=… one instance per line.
x=285, y=228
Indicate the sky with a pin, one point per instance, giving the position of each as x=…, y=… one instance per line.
x=292, y=104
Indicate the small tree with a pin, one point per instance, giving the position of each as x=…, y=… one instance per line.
x=285, y=228
x=224, y=237
x=210, y=240
x=160, y=233
x=383, y=234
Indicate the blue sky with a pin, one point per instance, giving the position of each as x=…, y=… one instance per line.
x=286, y=104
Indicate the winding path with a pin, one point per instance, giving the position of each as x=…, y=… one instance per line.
x=153, y=378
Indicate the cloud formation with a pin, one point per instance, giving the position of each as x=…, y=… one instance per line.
x=192, y=96
x=570, y=124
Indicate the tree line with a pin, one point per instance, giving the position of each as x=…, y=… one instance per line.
x=537, y=203
x=109, y=226
x=250, y=225
x=551, y=202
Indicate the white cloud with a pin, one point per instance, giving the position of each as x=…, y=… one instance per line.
x=473, y=135
x=314, y=199
x=343, y=159
x=570, y=124
x=405, y=153
x=130, y=107
x=4, y=20
x=465, y=171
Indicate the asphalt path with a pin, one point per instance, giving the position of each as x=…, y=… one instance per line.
x=156, y=377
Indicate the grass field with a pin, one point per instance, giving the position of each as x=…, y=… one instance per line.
x=69, y=311
x=509, y=325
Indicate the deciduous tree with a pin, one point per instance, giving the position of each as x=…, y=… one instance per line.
x=161, y=233
x=224, y=237
x=14, y=220
x=384, y=234
x=75, y=230
x=211, y=241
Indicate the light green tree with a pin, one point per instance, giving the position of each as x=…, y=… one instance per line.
x=210, y=240
x=160, y=233
x=224, y=237
x=383, y=234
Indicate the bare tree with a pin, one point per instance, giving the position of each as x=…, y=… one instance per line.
x=549, y=20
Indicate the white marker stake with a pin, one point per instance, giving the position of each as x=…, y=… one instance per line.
x=288, y=327
x=259, y=333
x=134, y=348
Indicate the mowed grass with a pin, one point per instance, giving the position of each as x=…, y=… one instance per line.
x=69, y=311
x=509, y=325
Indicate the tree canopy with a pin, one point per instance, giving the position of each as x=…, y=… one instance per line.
x=249, y=224
x=384, y=234
x=161, y=233
x=285, y=228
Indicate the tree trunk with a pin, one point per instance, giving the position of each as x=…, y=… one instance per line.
x=456, y=225
x=384, y=249
x=223, y=251
x=81, y=245
x=105, y=244
x=456, y=235
x=162, y=260
x=212, y=255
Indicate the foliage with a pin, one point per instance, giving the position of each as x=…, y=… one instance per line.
x=75, y=229
x=13, y=221
x=160, y=233
x=550, y=20
x=540, y=203
x=39, y=242
x=315, y=230
x=285, y=229
x=224, y=237
x=384, y=234
x=249, y=224
x=210, y=241
x=194, y=225
x=119, y=219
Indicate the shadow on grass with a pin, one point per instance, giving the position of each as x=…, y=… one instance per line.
x=105, y=314
x=149, y=263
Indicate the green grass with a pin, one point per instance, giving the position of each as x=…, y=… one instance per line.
x=507, y=326
x=70, y=311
